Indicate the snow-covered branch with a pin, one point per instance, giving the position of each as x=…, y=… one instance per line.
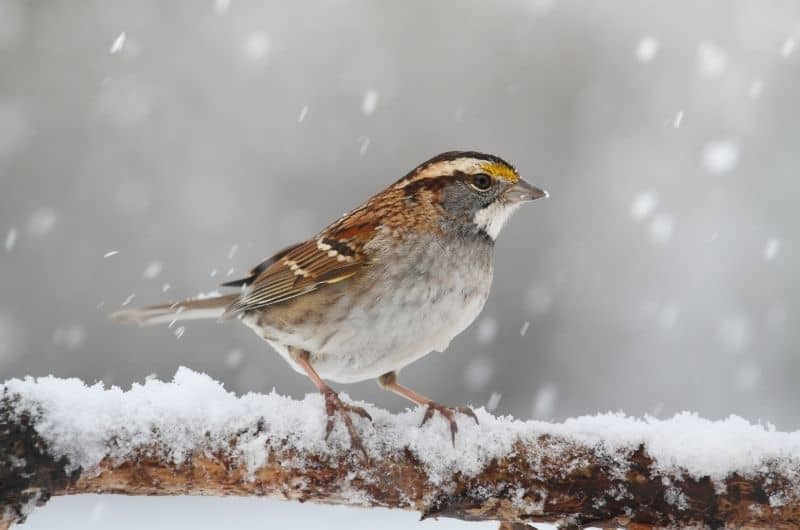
x=190, y=436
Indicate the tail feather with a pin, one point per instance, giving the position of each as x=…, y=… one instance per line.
x=183, y=310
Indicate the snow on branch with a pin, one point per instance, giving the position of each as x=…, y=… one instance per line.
x=191, y=437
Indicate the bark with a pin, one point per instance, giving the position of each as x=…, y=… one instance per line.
x=544, y=479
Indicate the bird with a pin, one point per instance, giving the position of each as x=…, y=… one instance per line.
x=384, y=285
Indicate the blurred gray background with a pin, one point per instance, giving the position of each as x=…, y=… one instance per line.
x=195, y=138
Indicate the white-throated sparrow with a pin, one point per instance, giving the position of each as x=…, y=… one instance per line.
x=389, y=282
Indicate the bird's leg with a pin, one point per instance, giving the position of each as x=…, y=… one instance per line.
x=332, y=401
x=388, y=381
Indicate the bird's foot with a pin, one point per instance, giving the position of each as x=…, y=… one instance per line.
x=334, y=404
x=449, y=415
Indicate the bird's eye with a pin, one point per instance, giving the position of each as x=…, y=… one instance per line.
x=481, y=181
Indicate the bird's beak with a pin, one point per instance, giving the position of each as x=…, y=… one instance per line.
x=524, y=192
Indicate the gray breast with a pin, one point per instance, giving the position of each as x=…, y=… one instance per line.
x=415, y=300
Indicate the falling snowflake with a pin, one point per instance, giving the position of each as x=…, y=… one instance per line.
x=771, y=249
x=234, y=358
x=788, y=47
x=487, y=330
x=179, y=331
x=303, y=113
x=257, y=46
x=364, y=141
x=720, y=156
x=370, y=102
x=524, y=329
x=544, y=401
x=643, y=205
x=494, y=401
x=11, y=239
x=118, y=43
x=110, y=254
x=676, y=123
x=478, y=373
x=221, y=6
x=711, y=60
x=647, y=49
x=153, y=270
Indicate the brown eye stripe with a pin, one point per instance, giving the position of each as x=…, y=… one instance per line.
x=432, y=183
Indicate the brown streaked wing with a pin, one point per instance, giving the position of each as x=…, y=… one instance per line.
x=336, y=254
x=305, y=268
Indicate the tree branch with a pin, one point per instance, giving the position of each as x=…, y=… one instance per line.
x=190, y=437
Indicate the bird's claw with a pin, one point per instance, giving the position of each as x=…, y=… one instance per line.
x=333, y=404
x=449, y=415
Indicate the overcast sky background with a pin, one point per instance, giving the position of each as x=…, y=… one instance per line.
x=187, y=140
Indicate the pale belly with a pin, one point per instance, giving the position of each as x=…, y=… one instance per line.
x=402, y=316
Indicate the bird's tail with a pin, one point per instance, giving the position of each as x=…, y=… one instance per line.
x=183, y=310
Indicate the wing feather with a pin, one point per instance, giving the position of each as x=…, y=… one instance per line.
x=303, y=269
x=335, y=255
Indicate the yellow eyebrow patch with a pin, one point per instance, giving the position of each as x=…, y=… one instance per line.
x=501, y=171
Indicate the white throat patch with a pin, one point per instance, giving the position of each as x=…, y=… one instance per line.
x=492, y=218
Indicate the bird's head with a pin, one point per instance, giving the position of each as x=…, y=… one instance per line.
x=474, y=190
